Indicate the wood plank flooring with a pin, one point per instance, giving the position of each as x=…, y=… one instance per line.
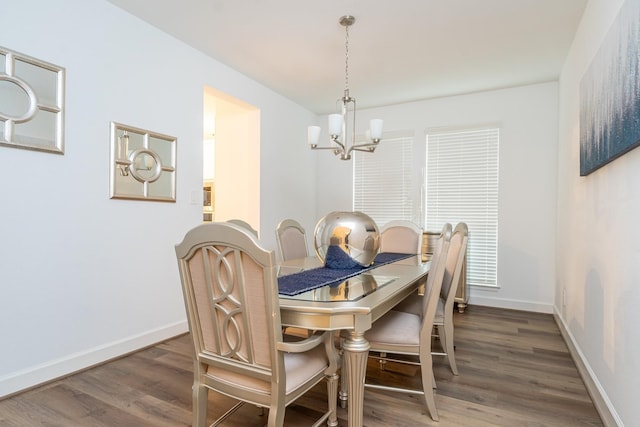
x=515, y=370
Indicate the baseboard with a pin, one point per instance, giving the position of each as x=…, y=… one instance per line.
x=607, y=412
x=37, y=375
x=510, y=304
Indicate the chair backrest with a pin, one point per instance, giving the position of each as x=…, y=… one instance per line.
x=244, y=224
x=292, y=240
x=230, y=294
x=400, y=236
x=434, y=282
x=455, y=260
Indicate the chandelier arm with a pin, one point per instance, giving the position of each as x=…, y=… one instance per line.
x=368, y=144
x=367, y=148
x=325, y=147
x=337, y=141
x=340, y=146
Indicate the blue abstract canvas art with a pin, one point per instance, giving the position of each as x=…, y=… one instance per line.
x=610, y=94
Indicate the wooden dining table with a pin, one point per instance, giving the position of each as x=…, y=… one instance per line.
x=351, y=306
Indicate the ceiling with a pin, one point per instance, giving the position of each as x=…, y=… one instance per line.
x=399, y=51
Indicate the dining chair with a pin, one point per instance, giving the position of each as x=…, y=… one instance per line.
x=244, y=224
x=292, y=243
x=231, y=298
x=443, y=320
x=444, y=313
x=400, y=333
x=292, y=240
x=401, y=236
x=404, y=237
x=413, y=303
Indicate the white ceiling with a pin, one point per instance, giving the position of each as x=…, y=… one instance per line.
x=399, y=51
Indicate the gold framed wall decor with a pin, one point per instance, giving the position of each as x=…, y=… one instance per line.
x=31, y=103
x=143, y=164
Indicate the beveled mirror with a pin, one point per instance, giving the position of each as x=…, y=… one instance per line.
x=31, y=103
x=143, y=164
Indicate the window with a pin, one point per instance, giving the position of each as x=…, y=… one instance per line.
x=382, y=181
x=462, y=186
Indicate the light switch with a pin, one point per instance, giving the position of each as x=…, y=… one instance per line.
x=194, y=197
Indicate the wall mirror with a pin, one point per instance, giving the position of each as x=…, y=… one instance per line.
x=143, y=164
x=31, y=103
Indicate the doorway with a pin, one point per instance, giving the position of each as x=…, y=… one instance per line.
x=231, y=159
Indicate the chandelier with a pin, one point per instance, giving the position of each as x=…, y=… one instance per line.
x=342, y=136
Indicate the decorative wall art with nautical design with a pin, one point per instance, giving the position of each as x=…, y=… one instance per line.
x=31, y=103
x=143, y=164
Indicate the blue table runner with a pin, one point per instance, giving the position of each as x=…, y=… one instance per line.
x=307, y=280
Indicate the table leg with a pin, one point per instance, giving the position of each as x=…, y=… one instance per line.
x=356, y=351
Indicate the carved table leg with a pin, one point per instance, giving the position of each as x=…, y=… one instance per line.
x=356, y=351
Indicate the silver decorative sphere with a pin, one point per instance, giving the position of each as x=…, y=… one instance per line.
x=346, y=239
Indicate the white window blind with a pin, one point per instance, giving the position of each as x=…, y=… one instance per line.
x=462, y=186
x=382, y=181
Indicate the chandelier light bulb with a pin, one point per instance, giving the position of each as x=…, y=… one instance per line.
x=375, y=126
x=313, y=135
x=336, y=122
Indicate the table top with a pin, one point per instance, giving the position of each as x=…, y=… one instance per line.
x=354, y=303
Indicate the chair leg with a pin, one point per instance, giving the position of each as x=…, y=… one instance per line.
x=383, y=362
x=276, y=415
x=446, y=338
x=428, y=380
x=332, y=393
x=343, y=394
x=200, y=393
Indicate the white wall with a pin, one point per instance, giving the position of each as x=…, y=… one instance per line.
x=82, y=277
x=599, y=239
x=527, y=117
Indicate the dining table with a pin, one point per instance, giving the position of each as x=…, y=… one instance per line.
x=350, y=305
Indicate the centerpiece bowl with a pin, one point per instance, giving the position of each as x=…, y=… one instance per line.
x=346, y=239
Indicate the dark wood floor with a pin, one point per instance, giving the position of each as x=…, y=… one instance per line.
x=515, y=370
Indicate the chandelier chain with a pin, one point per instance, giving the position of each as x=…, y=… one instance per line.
x=346, y=60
